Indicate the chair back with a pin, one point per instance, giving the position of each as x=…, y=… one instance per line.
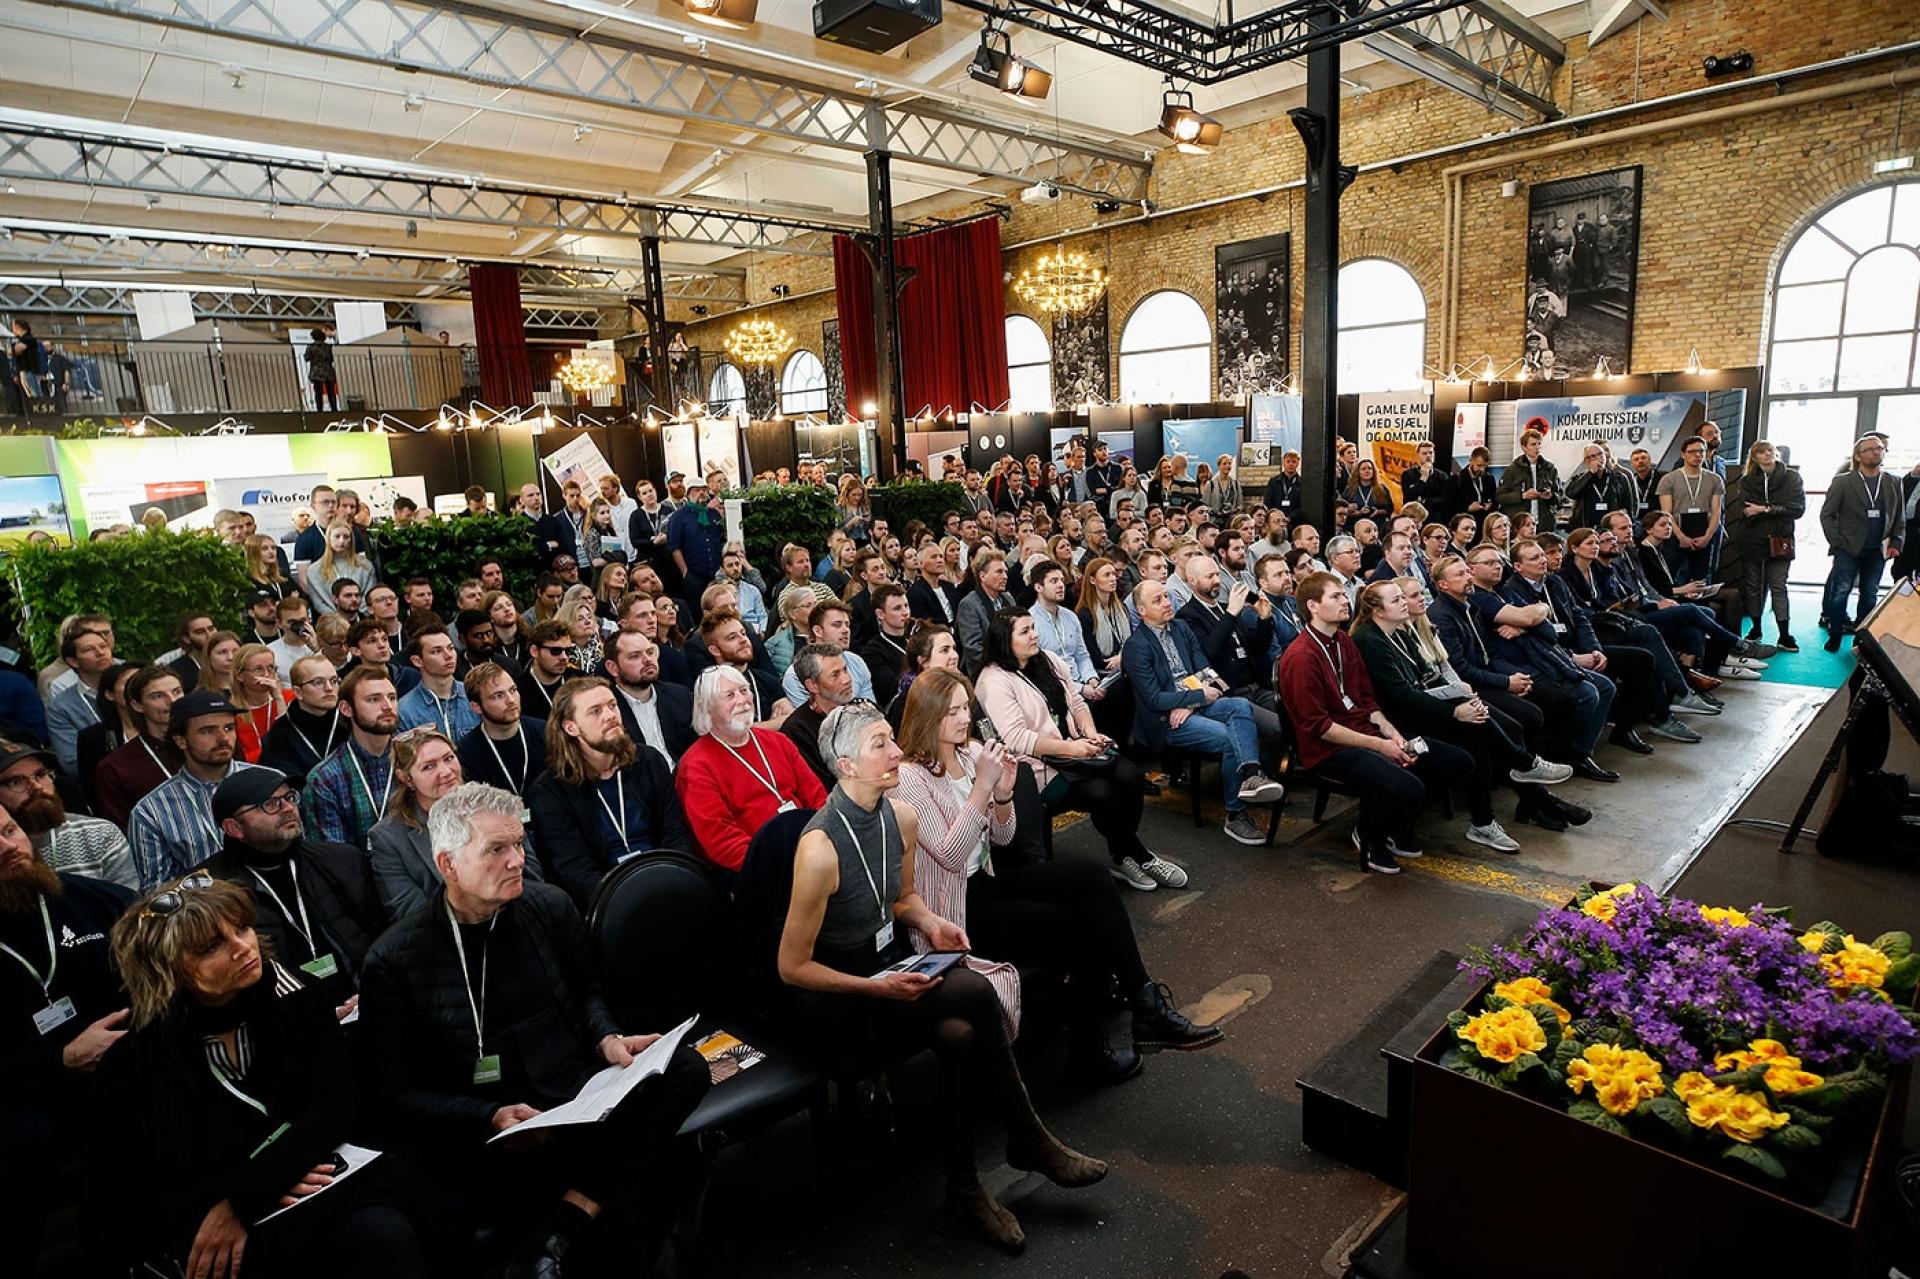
x=662, y=933
x=761, y=896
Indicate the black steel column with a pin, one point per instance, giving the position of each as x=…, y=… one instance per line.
x=1319, y=126
x=890, y=381
x=655, y=304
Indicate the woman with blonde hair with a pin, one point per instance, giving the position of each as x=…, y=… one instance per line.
x=338, y=560
x=228, y=1099
x=796, y=610
x=263, y=567
x=257, y=693
x=580, y=612
x=609, y=586
x=1764, y=503
x=853, y=511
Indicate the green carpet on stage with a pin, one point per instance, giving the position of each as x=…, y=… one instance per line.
x=1812, y=664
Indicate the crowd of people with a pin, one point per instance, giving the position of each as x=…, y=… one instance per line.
x=302, y=881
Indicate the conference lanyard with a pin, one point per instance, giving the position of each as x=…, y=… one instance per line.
x=1640, y=491
x=152, y=755
x=367, y=786
x=221, y=1077
x=53, y=955
x=526, y=759
x=440, y=710
x=544, y=693
x=884, y=937
x=1693, y=490
x=767, y=780
x=1873, y=494
x=1335, y=662
x=478, y=1007
x=620, y=822
x=299, y=901
x=332, y=727
x=1473, y=629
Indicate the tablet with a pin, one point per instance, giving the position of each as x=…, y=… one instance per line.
x=932, y=964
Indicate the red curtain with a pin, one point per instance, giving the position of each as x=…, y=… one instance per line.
x=500, y=333
x=953, y=337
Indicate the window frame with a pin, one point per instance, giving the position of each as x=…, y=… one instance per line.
x=1206, y=345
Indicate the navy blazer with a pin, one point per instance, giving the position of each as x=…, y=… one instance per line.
x=1216, y=635
x=676, y=717
x=1464, y=635
x=1579, y=636
x=553, y=528
x=1155, y=695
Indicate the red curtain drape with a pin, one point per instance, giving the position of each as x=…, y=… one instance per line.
x=500, y=335
x=953, y=337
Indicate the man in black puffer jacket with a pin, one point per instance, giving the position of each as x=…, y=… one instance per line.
x=480, y=1010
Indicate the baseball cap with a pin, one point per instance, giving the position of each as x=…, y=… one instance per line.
x=244, y=789
x=261, y=596
x=12, y=753
x=675, y=475
x=196, y=704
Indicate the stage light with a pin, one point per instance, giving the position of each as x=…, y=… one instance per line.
x=1192, y=133
x=736, y=14
x=994, y=64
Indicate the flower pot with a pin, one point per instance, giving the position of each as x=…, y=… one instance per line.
x=1483, y=1159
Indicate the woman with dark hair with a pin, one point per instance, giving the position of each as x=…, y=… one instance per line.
x=930, y=647
x=1367, y=497
x=667, y=609
x=511, y=632
x=320, y=372
x=229, y=1100
x=116, y=726
x=1463, y=530
x=1034, y=707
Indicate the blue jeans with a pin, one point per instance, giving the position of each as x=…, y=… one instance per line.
x=1224, y=729
x=1861, y=568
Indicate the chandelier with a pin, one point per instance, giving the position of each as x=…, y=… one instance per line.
x=584, y=374
x=759, y=342
x=1061, y=283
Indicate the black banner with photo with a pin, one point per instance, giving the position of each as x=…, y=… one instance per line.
x=1081, y=357
x=1583, y=249
x=836, y=376
x=1252, y=288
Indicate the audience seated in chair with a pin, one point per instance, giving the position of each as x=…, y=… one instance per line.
x=737, y=774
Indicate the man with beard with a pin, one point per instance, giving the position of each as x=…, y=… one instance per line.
x=601, y=800
x=316, y=900
x=133, y=768
x=60, y=1010
x=822, y=671
x=737, y=775
x=309, y=730
x=347, y=792
x=726, y=639
x=479, y=644
x=1474, y=489
x=655, y=714
x=506, y=750
x=172, y=829
x=639, y=613
x=550, y=664
x=830, y=624
x=71, y=844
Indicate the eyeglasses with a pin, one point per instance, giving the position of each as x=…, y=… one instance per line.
x=164, y=904
x=273, y=804
x=320, y=681
x=27, y=781
x=554, y=650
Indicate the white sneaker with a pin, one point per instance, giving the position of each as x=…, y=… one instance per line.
x=1166, y=872
x=1258, y=788
x=1493, y=837
x=1128, y=872
x=1729, y=671
x=1751, y=663
x=1542, y=772
x=1694, y=704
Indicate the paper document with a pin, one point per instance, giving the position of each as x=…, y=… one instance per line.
x=599, y=1095
x=349, y=1160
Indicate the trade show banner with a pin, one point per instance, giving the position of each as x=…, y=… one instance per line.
x=1656, y=422
x=1393, y=425
x=579, y=460
x=378, y=492
x=1469, y=431
x=183, y=502
x=1276, y=421
x=1201, y=439
x=680, y=449
x=719, y=440
x=32, y=503
x=270, y=499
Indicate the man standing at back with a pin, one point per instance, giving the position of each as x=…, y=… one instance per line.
x=1864, y=519
x=697, y=535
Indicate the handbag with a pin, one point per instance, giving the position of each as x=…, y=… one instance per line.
x=1779, y=548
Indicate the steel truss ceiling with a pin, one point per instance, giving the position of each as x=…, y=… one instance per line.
x=33, y=153
x=91, y=299
x=92, y=252
x=479, y=45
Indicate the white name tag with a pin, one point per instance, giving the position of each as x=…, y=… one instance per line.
x=1346, y=702
x=1874, y=514
x=1696, y=510
x=786, y=806
x=1559, y=628
x=54, y=1015
x=884, y=937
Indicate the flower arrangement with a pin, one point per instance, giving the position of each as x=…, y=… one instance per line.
x=1726, y=1034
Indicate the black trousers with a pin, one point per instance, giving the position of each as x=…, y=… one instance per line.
x=1060, y=915
x=1494, y=748
x=1392, y=796
x=1642, y=695
x=1112, y=800
x=1524, y=714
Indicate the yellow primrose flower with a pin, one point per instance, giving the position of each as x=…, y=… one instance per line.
x=1725, y=915
x=1855, y=964
x=1505, y=1035
x=1743, y=1116
x=1813, y=940
x=1622, y=1078
x=1604, y=905
x=1783, y=1068
x=1527, y=991
x=1692, y=1084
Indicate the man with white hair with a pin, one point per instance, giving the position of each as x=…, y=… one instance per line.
x=737, y=776
x=480, y=1011
x=1343, y=561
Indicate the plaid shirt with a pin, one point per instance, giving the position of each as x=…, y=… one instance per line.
x=91, y=847
x=172, y=829
x=343, y=791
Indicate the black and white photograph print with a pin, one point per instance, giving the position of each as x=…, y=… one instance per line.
x=836, y=375
x=1080, y=357
x=1252, y=288
x=1583, y=248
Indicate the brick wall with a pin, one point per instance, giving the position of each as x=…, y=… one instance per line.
x=1720, y=199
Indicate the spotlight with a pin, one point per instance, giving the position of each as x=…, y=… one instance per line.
x=581, y=132
x=1726, y=64
x=994, y=64
x=414, y=102
x=723, y=13
x=1192, y=133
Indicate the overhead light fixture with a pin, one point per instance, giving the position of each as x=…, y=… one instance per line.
x=1192, y=133
x=581, y=132
x=759, y=342
x=723, y=13
x=994, y=64
x=1893, y=164
x=414, y=102
x=1061, y=283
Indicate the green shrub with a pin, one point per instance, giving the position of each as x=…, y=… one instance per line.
x=145, y=582
x=773, y=516
x=445, y=551
x=921, y=500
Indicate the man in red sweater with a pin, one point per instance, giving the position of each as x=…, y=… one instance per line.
x=1344, y=736
x=735, y=777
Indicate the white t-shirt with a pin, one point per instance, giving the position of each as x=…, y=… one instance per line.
x=647, y=715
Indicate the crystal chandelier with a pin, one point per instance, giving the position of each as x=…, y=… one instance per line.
x=583, y=374
x=759, y=342
x=1061, y=283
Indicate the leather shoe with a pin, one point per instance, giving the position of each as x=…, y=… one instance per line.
x=541, y=1257
x=1535, y=813
x=1096, y=1063
x=1700, y=681
x=1585, y=767
x=1627, y=739
x=1158, y=1024
x=1570, y=813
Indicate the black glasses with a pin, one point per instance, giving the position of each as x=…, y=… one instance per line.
x=554, y=650
x=164, y=904
x=272, y=804
x=27, y=781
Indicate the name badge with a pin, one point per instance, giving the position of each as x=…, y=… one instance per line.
x=786, y=806
x=1346, y=703
x=1696, y=510
x=1874, y=513
x=487, y=1069
x=1559, y=628
x=884, y=937
x=1599, y=506
x=321, y=966
x=54, y=1015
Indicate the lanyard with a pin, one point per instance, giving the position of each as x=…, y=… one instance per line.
x=439, y=710
x=220, y=1077
x=478, y=1007
x=365, y=785
x=1473, y=629
x=1335, y=661
x=332, y=727
x=1693, y=488
x=620, y=793
x=152, y=755
x=1873, y=494
x=543, y=692
x=861, y=853
x=766, y=781
x=526, y=759
x=53, y=956
x=299, y=900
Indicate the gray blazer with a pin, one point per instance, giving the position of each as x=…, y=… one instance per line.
x=970, y=621
x=403, y=871
x=1843, y=515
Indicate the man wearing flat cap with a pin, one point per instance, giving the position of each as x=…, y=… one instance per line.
x=172, y=828
x=316, y=900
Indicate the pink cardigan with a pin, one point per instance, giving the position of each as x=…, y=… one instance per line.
x=1019, y=713
x=949, y=831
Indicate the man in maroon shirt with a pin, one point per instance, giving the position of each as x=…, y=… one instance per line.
x=137, y=766
x=1344, y=736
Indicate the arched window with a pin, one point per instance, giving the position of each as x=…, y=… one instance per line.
x=803, y=384
x=726, y=391
x=1844, y=315
x=1166, y=352
x=1383, y=327
x=1029, y=366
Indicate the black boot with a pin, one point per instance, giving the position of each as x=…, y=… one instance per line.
x=1532, y=810
x=1158, y=1024
x=1565, y=810
x=1092, y=1061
